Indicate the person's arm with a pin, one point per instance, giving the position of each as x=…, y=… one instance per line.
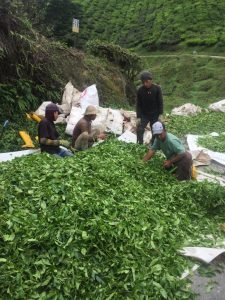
x=179, y=153
x=149, y=155
x=160, y=100
x=168, y=163
x=45, y=141
x=43, y=136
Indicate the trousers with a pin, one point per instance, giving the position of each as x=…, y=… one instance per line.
x=143, y=124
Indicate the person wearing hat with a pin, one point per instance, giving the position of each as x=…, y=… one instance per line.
x=149, y=104
x=83, y=135
x=173, y=149
x=48, y=136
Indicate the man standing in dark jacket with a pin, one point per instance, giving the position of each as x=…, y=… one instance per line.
x=149, y=104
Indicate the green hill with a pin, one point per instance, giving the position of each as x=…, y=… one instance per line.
x=188, y=78
x=156, y=24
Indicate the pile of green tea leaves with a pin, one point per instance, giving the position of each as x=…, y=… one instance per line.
x=203, y=123
x=214, y=143
x=100, y=225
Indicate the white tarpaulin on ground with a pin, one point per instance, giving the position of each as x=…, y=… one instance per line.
x=11, y=155
x=130, y=137
x=218, y=106
x=187, y=109
x=192, y=141
x=202, y=253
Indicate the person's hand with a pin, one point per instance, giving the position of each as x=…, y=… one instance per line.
x=167, y=164
x=64, y=143
x=138, y=122
x=101, y=136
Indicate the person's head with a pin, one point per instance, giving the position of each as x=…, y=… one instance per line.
x=51, y=112
x=146, y=78
x=91, y=112
x=159, y=131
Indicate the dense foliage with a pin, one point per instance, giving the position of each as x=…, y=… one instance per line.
x=52, y=18
x=35, y=69
x=203, y=123
x=154, y=24
x=214, y=143
x=129, y=62
x=100, y=225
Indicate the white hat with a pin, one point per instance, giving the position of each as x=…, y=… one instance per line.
x=157, y=128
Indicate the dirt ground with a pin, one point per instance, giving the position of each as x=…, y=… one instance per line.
x=208, y=282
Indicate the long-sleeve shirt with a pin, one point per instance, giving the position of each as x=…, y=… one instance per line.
x=149, y=101
x=48, y=136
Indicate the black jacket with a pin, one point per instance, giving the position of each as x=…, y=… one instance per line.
x=149, y=101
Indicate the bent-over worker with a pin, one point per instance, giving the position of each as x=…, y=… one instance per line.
x=83, y=135
x=173, y=149
x=149, y=104
x=48, y=136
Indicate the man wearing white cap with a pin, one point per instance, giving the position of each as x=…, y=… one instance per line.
x=83, y=136
x=173, y=149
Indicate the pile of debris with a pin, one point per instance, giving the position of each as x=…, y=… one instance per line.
x=74, y=103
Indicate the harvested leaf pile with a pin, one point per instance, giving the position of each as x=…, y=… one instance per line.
x=100, y=225
x=203, y=123
x=214, y=143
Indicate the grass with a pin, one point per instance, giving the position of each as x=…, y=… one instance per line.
x=183, y=79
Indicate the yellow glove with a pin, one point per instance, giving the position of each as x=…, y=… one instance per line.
x=64, y=143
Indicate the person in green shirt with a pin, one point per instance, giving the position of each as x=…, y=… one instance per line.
x=174, y=151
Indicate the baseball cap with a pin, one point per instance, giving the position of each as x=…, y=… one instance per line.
x=157, y=128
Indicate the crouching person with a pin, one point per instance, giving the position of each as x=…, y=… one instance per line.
x=48, y=136
x=173, y=149
x=83, y=135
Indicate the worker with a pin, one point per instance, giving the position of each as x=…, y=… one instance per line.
x=83, y=135
x=48, y=136
x=173, y=149
x=149, y=105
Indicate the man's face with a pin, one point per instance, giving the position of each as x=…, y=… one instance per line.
x=92, y=117
x=147, y=83
x=56, y=114
x=162, y=136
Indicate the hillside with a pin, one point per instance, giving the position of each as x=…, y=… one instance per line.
x=153, y=25
x=188, y=78
x=35, y=69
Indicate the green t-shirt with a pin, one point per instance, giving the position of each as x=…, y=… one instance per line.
x=170, y=147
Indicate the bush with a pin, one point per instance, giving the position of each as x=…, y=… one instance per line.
x=129, y=62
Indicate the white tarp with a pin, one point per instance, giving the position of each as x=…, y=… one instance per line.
x=200, y=158
x=71, y=96
x=114, y=122
x=11, y=155
x=77, y=113
x=218, y=106
x=41, y=109
x=89, y=97
x=187, y=109
x=202, y=253
x=130, y=137
x=61, y=119
x=192, y=141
